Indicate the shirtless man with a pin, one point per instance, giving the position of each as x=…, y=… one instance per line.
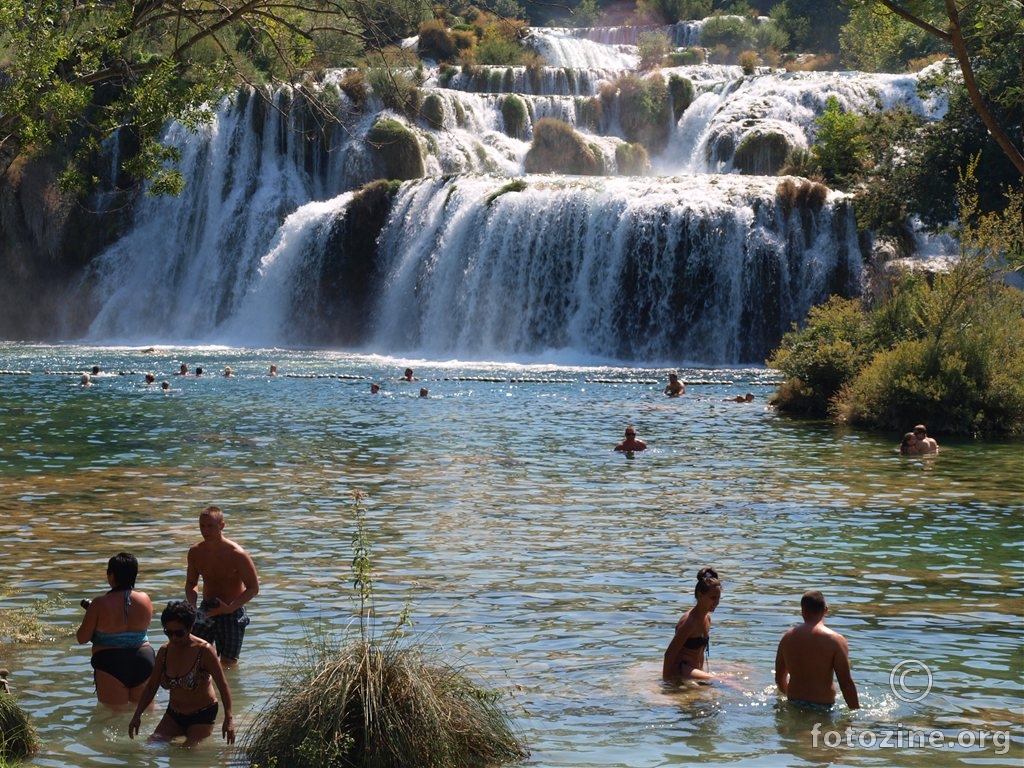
x=808, y=656
x=630, y=443
x=675, y=387
x=229, y=582
x=925, y=444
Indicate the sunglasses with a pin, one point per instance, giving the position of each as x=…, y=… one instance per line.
x=175, y=632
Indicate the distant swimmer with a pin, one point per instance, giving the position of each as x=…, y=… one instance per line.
x=424, y=392
x=95, y=370
x=273, y=370
x=809, y=654
x=374, y=388
x=740, y=398
x=924, y=443
x=150, y=379
x=183, y=371
x=908, y=445
x=85, y=381
x=165, y=385
x=684, y=657
x=199, y=370
x=675, y=387
x=228, y=373
x=631, y=443
x=407, y=376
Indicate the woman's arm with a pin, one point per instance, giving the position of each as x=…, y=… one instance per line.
x=212, y=663
x=88, y=627
x=148, y=692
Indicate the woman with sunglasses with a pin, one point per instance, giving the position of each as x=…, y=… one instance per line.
x=188, y=667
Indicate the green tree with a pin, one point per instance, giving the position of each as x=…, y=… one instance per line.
x=812, y=25
x=839, y=146
x=986, y=37
x=73, y=73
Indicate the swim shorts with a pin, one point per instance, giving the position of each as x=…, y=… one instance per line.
x=224, y=631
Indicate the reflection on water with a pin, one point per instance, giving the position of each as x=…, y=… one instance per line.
x=532, y=551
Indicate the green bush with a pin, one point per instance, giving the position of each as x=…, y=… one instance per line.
x=632, y=160
x=652, y=48
x=514, y=116
x=396, y=90
x=761, y=153
x=557, y=148
x=682, y=91
x=839, y=147
x=436, y=43
x=432, y=111
x=397, y=149
x=943, y=350
x=686, y=57
x=643, y=110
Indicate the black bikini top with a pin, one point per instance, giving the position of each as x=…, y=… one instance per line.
x=696, y=643
x=195, y=677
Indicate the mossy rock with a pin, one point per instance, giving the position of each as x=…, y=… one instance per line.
x=557, y=148
x=514, y=116
x=643, y=110
x=682, y=91
x=396, y=150
x=432, y=111
x=632, y=160
x=762, y=153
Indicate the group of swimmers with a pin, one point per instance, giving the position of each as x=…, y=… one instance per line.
x=807, y=658
x=203, y=637
x=917, y=443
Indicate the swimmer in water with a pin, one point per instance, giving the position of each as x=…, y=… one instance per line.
x=685, y=655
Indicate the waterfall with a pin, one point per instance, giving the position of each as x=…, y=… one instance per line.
x=700, y=262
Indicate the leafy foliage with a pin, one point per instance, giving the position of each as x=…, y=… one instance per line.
x=943, y=351
x=557, y=148
x=838, y=148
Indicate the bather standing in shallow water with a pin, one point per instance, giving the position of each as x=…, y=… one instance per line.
x=684, y=657
x=116, y=623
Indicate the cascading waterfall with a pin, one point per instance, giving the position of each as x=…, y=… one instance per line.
x=690, y=264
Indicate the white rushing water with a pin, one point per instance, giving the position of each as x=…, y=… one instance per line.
x=688, y=263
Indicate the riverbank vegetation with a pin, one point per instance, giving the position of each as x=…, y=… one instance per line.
x=380, y=701
x=941, y=349
x=18, y=738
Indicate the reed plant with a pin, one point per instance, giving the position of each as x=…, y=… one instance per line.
x=380, y=702
x=18, y=738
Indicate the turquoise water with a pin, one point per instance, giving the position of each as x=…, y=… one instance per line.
x=551, y=565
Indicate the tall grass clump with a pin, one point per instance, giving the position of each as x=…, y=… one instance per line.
x=18, y=738
x=380, y=702
x=944, y=350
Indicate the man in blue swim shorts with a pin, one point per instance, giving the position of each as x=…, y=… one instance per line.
x=229, y=582
x=809, y=655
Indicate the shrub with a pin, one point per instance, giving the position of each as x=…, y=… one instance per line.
x=557, y=148
x=749, y=61
x=643, y=110
x=396, y=90
x=435, y=42
x=380, y=703
x=632, y=160
x=514, y=116
x=353, y=85
x=686, y=57
x=590, y=113
x=652, y=48
x=499, y=45
x=761, y=153
x=397, y=150
x=682, y=91
x=432, y=111
x=839, y=147
x=18, y=738
x=820, y=358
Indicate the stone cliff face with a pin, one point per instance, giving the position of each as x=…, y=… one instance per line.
x=46, y=237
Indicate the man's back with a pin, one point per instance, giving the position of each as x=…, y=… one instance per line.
x=809, y=654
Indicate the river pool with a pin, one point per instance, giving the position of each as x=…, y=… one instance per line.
x=531, y=552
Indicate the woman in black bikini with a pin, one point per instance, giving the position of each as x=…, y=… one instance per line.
x=684, y=658
x=116, y=624
x=189, y=669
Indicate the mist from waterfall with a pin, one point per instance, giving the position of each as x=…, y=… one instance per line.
x=698, y=262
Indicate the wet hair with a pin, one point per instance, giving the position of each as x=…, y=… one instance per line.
x=907, y=437
x=213, y=511
x=125, y=569
x=707, y=579
x=179, y=611
x=95, y=370
x=813, y=602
